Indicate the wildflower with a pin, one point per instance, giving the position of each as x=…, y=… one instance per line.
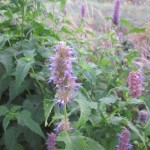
x=135, y=83
x=116, y=13
x=64, y=125
x=143, y=116
x=51, y=142
x=82, y=10
x=123, y=142
x=62, y=74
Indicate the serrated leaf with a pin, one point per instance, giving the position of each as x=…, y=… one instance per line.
x=136, y=101
x=108, y=100
x=22, y=69
x=72, y=142
x=6, y=60
x=34, y=104
x=6, y=122
x=93, y=145
x=12, y=91
x=29, y=54
x=85, y=108
x=3, y=110
x=115, y=120
x=10, y=139
x=48, y=106
x=4, y=84
x=24, y=119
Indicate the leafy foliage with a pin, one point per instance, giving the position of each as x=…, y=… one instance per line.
x=100, y=108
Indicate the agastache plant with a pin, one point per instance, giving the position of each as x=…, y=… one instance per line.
x=62, y=74
x=123, y=140
x=135, y=83
x=51, y=142
x=116, y=13
x=143, y=116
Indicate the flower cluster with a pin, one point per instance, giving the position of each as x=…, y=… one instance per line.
x=143, y=116
x=51, y=142
x=61, y=73
x=116, y=13
x=63, y=125
x=135, y=83
x=124, y=138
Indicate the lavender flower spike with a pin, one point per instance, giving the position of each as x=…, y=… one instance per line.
x=51, y=142
x=135, y=83
x=61, y=73
x=116, y=13
x=82, y=10
x=143, y=116
x=63, y=125
x=123, y=142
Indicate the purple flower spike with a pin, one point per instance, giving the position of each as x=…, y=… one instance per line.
x=63, y=125
x=82, y=10
x=51, y=142
x=143, y=116
x=61, y=73
x=135, y=83
x=116, y=13
x=123, y=142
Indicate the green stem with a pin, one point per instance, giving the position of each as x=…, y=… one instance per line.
x=65, y=112
x=109, y=116
x=22, y=23
x=40, y=86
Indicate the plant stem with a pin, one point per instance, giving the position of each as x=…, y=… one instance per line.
x=65, y=112
x=40, y=86
x=22, y=23
x=109, y=116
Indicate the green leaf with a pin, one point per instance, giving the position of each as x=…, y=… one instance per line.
x=65, y=29
x=12, y=91
x=6, y=122
x=3, y=110
x=10, y=139
x=34, y=104
x=136, y=101
x=24, y=119
x=126, y=23
x=93, y=145
x=133, y=128
x=137, y=30
x=72, y=142
x=48, y=106
x=147, y=128
x=114, y=120
x=22, y=69
x=29, y=54
x=62, y=4
x=51, y=16
x=108, y=100
x=4, y=84
x=6, y=60
x=85, y=108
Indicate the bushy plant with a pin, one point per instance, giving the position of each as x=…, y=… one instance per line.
x=66, y=86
